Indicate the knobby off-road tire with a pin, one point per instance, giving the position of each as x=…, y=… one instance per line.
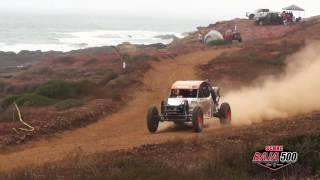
x=225, y=114
x=153, y=119
x=197, y=119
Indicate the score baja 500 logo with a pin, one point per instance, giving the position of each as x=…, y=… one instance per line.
x=274, y=157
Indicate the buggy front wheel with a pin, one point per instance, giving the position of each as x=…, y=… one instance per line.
x=153, y=119
x=197, y=119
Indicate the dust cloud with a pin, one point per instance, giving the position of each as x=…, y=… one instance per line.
x=296, y=92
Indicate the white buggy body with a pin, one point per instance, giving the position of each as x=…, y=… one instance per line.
x=205, y=101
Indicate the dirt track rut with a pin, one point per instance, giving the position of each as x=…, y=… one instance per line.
x=121, y=130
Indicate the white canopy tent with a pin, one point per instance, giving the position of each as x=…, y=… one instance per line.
x=295, y=8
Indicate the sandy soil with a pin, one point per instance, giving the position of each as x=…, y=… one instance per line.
x=122, y=130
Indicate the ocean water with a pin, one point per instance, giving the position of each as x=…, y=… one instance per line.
x=65, y=32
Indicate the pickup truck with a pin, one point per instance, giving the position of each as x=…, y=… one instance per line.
x=257, y=14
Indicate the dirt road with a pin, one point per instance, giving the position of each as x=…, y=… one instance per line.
x=122, y=130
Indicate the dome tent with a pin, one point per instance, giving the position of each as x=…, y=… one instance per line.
x=212, y=35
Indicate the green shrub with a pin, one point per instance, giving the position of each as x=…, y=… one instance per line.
x=59, y=89
x=45, y=93
x=277, y=60
x=308, y=147
x=2, y=86
x=8, y=101
x=108, y=77
x=68, y=60
x=69, y=103
x=34, y=100
x=27, y=100
x=138, y=58
x=219, y=42
x=7, y=116
x=84, y=87
x=91, y=62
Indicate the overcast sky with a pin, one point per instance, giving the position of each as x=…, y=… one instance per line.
x=220, y=9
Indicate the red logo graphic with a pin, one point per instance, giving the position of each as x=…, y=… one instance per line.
x=274, y=157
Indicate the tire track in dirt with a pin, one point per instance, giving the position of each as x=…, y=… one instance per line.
x=124, y=129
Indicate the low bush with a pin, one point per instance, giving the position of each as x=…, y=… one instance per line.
x=8, y=101
x=91, y=62
x=84, y=87
x=28, y=100
x=6, y=116
x=107, y=78
x=66, y=60
x=59, y=89
x=33, y=100
x=2, y=86
x=308, y=147
x=69, y=103
x=219, y=42
x=233, y=162
x=138, y=58
x=267, y=60
x=47, y=93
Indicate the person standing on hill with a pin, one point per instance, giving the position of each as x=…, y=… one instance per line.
x=124, y=66
x=200, y=37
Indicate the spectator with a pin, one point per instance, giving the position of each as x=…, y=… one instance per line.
x=284, y=17
x=124, y=66
x=200, y=37
x=290, y=16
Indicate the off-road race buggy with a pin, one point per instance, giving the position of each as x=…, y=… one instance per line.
x=190, y=101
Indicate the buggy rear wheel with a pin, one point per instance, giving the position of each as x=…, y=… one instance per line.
x=153, y=119
x=197, y=119
x=225, y=114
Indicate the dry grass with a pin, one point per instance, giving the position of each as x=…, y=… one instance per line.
x=73, y=102
x=215, y=157
x=245, y=67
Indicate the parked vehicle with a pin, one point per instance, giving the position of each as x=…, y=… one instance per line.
x=271, y=18
x=257, y=13
x=231, y=35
